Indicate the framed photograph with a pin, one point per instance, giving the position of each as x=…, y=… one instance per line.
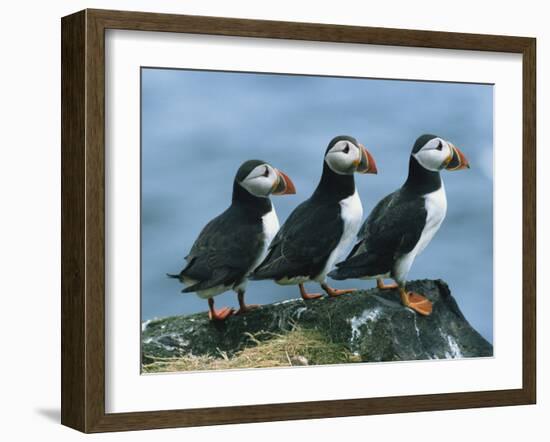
x=268, y=220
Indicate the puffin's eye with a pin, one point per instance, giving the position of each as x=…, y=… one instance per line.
x=440, y=145
x=266, y=172
x=346, y=149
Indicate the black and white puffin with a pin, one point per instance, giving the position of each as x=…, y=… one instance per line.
x=231, y=245
x=320, y=229
x=403, y=223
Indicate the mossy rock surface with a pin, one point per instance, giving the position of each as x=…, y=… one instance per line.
x=371, y=325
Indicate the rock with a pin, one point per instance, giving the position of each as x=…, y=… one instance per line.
x=372, y=324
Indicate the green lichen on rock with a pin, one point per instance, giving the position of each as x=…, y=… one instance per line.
x=365, y=326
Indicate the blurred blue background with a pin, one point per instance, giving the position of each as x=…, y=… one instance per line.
x=198, y=127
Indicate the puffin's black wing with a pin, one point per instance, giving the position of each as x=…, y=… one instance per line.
x=392, y=229
x=304, y=243
x=375, y=214
x=220, y=255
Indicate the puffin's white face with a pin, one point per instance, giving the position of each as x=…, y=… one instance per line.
x=435, y=154
x=261, y=180
x=344, y=157
x=265, y=180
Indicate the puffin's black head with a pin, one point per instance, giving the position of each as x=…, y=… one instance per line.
x=261, y=179
x=345, y=156
x=434, y=154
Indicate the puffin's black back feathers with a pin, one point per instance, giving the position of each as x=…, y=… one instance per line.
x=219, y=255
x=230, y=243
x=304, y=243
x=394, y=226
x=312, y=231
x=392, y=229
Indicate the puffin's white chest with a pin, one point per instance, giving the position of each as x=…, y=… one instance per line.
x=270, y=223
x=351, y=212
x=270, y=226
x=436, y=208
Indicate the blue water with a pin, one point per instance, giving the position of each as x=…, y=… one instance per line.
x=198, y=127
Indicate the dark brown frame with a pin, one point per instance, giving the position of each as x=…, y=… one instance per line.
x=83, y=216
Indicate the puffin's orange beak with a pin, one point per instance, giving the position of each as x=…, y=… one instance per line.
x=284, y=185
x=366, y=163
x=456, y=160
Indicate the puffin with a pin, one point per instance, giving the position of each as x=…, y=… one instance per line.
x=232, y=244
x=403, y=223
x=320, y=230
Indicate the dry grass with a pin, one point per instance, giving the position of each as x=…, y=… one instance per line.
x=297, y=347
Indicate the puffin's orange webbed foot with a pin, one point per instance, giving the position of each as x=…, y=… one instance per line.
x=218, y=315
x=336, y=292
x=416, y=302
x=383, y=286
x=420, y=304
x=247, y=308
x=221, y=314
x=243, y=307
x=308, y=296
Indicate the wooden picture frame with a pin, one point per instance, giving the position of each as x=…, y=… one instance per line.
x=83, y=219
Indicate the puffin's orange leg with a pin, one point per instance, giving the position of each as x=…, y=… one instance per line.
x=383, y=286
x=243, y=307
x=308, y=296
x=416, y=302
x=218, y=315
x=335, y=292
